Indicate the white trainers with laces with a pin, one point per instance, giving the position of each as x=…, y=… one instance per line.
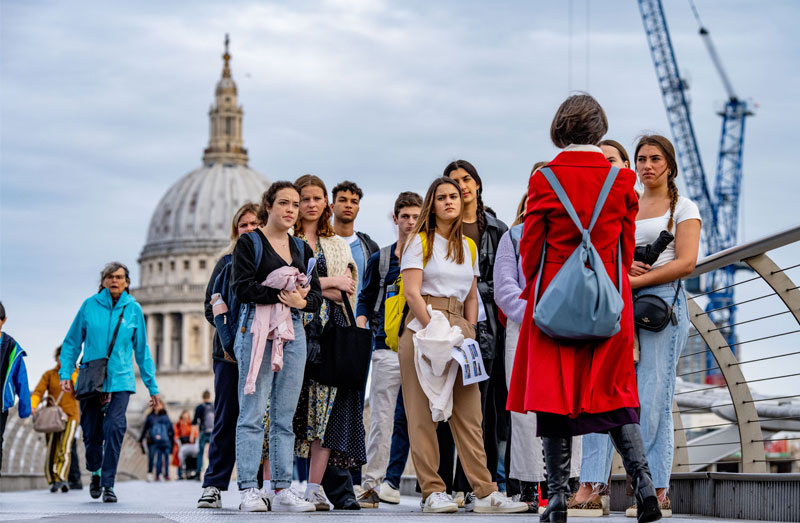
x=388, y=494
x=287, y=501
x=267, y=495
x=439, y=502
x=499, y=503
x=252, y=501
x=211, y=498
x=319, y=500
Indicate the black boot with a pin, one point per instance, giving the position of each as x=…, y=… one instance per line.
x=529, y=493
x=557, y=453
x=628, y=441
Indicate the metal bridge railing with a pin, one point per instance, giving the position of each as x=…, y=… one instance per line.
x=755, y=395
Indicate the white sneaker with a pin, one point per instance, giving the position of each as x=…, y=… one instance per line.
x=267, y=495
x=287, y=501
x=387, y=494
x=319, y=500
x=149, y=477
x=252, y=501
x=499, y=503
x=469, y=502
x=211, y=498
x=439, y=502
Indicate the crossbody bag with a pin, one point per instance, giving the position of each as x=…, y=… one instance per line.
x=92, y=374
x=651, y=312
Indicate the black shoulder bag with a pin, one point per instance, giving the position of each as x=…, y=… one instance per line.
x=651, y=312
x=92, y=374
x=344, y=354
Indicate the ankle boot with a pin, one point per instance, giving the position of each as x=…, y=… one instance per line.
x=557, y=453
x=628, y=441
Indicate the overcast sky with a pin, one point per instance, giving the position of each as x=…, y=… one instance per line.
x=103, y=106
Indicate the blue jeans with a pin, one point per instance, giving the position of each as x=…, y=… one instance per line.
x=282, y=390
x=655, y=377
x=398, y=453
x=205, y=437
x=163, y=451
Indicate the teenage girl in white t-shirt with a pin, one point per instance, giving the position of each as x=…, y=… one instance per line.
x=662, y=208
x=444, y=276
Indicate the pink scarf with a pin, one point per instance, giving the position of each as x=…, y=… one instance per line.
x=272, y=322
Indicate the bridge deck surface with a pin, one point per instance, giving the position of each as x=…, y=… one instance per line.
x=175, y=501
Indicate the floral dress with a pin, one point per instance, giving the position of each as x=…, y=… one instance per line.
x=334, y=416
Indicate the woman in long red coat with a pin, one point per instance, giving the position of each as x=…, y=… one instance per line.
x=580, y=387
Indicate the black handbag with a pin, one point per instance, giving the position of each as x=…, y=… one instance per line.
x=344, y=354
x=651, y=312
x=92, y=374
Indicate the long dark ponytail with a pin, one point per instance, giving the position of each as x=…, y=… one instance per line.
x=472, y=171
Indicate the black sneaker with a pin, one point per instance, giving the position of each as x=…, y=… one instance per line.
x=94, y=487
x=76, y=485
x=55, y=486
x=109, y=496
x=64, y=487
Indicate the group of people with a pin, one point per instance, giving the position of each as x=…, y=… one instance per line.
x=297, y=268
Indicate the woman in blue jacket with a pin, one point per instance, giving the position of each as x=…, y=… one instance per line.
x=103, y=417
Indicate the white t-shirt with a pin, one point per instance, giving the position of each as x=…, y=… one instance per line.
x=647, y=230
x=441, y=277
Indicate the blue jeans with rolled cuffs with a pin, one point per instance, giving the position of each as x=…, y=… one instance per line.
x=282, y=390
x=655, y=376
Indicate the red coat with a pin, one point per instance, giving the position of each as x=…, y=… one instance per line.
x=587, y=377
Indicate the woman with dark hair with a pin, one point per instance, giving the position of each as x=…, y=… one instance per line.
x=440, y=275
x=111, y=310
x=60, y=463
x=661, y=208
x=484, y=229
x=222, y=448
x=271, y=319
x=579, y=387
x=329, y=422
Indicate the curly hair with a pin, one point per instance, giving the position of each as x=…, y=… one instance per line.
x=347, y=186
x=324, y=227
x=579, y=120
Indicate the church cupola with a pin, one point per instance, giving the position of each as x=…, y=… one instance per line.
x=225, y=144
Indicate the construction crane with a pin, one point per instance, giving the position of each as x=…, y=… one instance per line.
x=720, y=212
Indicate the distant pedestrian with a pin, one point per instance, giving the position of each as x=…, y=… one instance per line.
x=185, y=449
x=13, y=379
x=103, y=421
x=222, y=447
x=204, y=419
x=61, y=469
x=162, y=434
x=144, y=440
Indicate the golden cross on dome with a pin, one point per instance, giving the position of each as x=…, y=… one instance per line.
x=226, y=71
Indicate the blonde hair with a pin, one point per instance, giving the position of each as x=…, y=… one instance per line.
x=248, y=207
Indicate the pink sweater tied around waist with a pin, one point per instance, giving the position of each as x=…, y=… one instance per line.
x=272, y=322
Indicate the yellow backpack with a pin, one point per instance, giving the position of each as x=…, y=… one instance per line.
x=395, y=308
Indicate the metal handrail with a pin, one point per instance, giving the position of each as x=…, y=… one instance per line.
x=747, y=250
x=743, y=409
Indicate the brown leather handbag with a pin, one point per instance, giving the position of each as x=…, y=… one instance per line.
x=51, y=418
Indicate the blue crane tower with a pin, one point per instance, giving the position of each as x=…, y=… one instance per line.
x=720, y=211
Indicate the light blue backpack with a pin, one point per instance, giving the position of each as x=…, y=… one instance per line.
x=581, y=302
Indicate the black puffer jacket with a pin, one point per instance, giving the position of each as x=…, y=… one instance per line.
x=491, y=334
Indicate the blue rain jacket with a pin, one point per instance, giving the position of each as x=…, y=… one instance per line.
x=13, y=377
x=92, y=330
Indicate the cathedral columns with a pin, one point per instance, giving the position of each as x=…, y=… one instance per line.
x=166, y=342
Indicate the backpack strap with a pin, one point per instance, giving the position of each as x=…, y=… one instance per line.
x=384, y=261
x=473, y=249
x=515, y=233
